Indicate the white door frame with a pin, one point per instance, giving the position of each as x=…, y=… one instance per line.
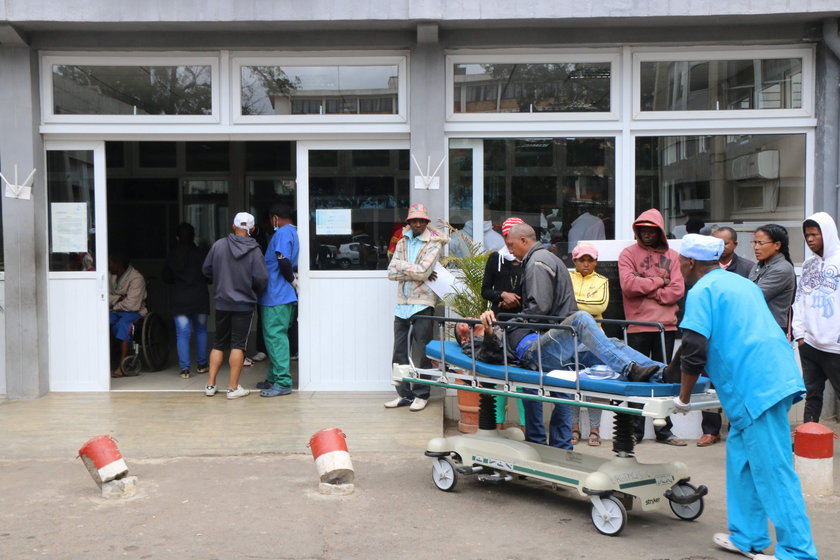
x=66, y=330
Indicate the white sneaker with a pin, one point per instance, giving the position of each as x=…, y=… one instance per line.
x=248, y=362
x=238, y=392
x=418, y=404
x=764, y=557
x=258, y=357
x=210, y=390
x=398, y=402
x=722, y=540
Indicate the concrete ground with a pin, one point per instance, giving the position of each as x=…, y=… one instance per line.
x=242, y=498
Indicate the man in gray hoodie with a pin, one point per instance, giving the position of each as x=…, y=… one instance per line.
x=235, y=266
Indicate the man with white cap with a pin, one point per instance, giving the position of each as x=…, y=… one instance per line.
x=729, y=331
x=235, y=266
x=413, y=263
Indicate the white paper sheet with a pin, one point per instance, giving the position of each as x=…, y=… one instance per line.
x=446, y=283
x=335, y=221
x=69, y=227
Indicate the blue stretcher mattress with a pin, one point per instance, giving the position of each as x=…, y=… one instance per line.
x=456, y=357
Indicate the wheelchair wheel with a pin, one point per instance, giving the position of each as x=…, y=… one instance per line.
x=153, y=341
x=130, y=365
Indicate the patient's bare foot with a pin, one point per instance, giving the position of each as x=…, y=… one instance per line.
x=117, y=373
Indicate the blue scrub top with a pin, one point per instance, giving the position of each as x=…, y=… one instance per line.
x=749, y=359
x=280, y=292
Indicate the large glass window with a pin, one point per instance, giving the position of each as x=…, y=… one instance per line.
x=205, y=206
x=70, y=197
x=79, y=89
x=740, y=181
x=357, y=200
x=319, y=90
x=563, y=187
x=721, y=85
x=570, y=87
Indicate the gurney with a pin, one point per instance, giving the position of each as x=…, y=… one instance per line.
x=498, y=456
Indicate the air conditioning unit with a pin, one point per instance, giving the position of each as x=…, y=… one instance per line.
x=760, y=165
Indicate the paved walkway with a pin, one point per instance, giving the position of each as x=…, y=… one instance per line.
x=190, y=424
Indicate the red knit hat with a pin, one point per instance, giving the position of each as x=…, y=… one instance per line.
x=509, y=223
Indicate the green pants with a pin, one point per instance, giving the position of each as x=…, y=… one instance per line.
x=276, y=320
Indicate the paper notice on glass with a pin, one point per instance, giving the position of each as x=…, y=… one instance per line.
x=335, y=221
x=446, y=283
x=69, y=227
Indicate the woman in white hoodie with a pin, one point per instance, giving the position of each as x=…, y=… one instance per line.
x=816, y=312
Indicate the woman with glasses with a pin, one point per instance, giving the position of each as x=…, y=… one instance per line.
x=774, y=272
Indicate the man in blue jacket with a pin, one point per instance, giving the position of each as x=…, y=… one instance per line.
x=279, y=300
x=236, y=268
x=729, y=331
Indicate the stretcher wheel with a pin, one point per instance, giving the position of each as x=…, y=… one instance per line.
x=612, y=520
x=687, y=512
x=444, y=474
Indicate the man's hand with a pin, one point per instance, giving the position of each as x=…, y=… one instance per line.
x=680, y=407
x=433, y=276
x=800, y=341
x=487, y=320
x=510, y=300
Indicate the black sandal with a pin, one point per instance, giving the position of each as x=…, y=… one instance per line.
x=576, y=435
x=594, y=439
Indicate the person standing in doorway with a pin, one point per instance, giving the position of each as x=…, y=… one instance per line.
x=816, y=326
x=652, y=286
x=236, y=267
x=415, y=256
x=279, y=300
x=189, y=299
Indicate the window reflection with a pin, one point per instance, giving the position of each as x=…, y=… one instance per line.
x=131, y=90
x=563, y=187
x=70, y=194
x=740, y=181
x=532, y=88
x=719, y=85
x=319, y=90
x=205, y=206
x=357, y=200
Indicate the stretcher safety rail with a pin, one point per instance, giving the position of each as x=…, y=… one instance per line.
x=457, y=370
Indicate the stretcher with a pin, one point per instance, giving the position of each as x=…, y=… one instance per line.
x=498, y=456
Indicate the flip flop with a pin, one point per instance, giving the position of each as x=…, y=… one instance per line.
x=576, y=435
x=594, y=439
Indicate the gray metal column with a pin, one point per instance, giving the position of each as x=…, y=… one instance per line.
x=427, y=113
x=24, y=223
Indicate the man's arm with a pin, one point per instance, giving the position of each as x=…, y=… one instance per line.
x=632, y=284
x=692, y=362
x=420, y=271
x=675, y=289
x=798, y=307
x=540, y=281
x=135, y=295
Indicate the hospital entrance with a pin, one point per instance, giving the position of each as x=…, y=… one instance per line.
x=353, y=199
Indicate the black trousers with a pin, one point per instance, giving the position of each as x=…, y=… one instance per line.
x=817, y=367
x=421, y=334
x=650, y=344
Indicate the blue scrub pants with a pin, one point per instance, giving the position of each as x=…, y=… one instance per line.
x=761, y=484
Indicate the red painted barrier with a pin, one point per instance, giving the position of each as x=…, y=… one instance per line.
x=813, y=441
x=103, y=460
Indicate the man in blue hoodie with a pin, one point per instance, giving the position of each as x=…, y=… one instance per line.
x=278, y=302
x=236, y=268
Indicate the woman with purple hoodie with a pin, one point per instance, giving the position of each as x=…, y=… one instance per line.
x=652, y=286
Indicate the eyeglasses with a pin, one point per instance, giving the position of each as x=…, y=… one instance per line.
x=761, y=243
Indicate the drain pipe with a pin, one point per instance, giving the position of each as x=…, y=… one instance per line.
x=832, y=41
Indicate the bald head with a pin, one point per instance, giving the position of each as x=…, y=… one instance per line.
x=519, y=240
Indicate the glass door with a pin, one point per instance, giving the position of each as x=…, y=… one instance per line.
x=78, y=266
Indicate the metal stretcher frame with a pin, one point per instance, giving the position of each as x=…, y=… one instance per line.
x=446, y=374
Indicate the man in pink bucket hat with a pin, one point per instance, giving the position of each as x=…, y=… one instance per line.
x=413, y=263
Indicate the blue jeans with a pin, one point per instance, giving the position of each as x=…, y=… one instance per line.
x=557, y=351
x=184, y=324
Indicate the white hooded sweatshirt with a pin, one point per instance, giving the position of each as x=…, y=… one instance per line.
x=816, y=309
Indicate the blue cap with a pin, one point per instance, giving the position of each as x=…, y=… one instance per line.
x=701, y=247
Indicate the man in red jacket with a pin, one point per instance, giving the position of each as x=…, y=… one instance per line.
x=652, y=286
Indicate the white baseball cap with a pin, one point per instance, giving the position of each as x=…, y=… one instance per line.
x=243, y=220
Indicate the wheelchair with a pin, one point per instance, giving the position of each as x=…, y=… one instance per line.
x=149, y=345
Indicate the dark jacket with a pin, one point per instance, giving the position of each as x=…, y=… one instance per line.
x=501, y=275
x=777, y=281
x=182, y=270
x=236, y=267
x=740, y=265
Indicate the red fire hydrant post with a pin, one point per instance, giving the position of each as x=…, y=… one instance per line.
x=332, y=460
x=813, y=458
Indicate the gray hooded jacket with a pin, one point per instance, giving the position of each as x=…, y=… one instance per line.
x=236, y=267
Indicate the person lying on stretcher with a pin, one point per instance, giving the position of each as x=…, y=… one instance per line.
x=488, y=349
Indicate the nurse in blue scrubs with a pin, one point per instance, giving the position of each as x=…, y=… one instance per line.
x=730, y=332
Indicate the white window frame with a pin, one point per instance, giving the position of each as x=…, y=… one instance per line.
x=612, y=56
x=322, y=59
x=129, y=59
x=730, y=52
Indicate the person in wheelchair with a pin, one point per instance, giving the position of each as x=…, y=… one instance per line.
x=126, y=302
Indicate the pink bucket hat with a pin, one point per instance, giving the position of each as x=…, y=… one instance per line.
x=418, y=212
x=509, y=223
x=585, y=249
